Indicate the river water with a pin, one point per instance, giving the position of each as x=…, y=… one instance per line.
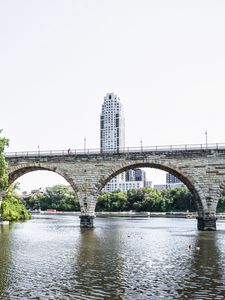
x=50, y=257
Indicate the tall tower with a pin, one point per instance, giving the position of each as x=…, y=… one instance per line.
x=112, y=130
x=112, y=137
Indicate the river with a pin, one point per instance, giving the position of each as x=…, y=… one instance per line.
x=50, y=257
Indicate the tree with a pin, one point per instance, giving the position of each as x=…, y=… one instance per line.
x=3, y=166
x=58, y=197
x=181, y=199
x=147, y=199
x=12, y=208
x=115, y=201
x=221, y=203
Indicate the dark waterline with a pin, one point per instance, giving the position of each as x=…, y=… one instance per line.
x=50, y=257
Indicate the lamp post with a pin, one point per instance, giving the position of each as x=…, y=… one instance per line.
x=206, y=139
x=141, y=146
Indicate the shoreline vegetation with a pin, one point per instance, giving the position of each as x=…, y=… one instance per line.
x=12, y=207
x=131, y=214
x=173, y=202
x=147, y=199
x=120, y=214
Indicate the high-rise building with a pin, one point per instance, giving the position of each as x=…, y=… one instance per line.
x=170, y=178
x=112, y=137
x=171, y=182
x=135, y=175
x=112, y=124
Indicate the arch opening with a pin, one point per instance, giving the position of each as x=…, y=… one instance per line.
x=18, y=173
x=185, y=183
x=43, y=189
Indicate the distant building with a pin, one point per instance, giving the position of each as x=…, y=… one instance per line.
x=112, y=138
x=160, y=186
x=172, y=181
x=131, y=179
x=32, y=192
x=112, y=131
x=148, y=183
x=40, y=190
x=135, y=175
x=123, y=186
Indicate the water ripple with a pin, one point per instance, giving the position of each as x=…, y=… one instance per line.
x=120, y=259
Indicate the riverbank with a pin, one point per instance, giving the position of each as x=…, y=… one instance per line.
x=123, y=214
x=189, y=215
x=4, y=223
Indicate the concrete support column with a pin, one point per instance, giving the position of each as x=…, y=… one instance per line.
x=86, y=221
x=87, y=200
x=207, y=222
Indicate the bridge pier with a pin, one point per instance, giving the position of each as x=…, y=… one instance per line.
x=87, y=197
x=87, y=221
x=207, y=222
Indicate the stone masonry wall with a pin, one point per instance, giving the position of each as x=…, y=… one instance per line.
x=203, y=172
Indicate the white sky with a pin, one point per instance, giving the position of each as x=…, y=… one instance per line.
x=165, y=59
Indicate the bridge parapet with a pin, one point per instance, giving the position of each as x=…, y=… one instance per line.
x=122, y=150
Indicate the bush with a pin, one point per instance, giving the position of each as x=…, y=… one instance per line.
x=12, y=208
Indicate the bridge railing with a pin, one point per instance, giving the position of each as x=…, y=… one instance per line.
x=159, y=148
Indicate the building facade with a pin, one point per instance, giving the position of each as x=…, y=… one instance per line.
x=131, y=179
x=112, y=138
x=112, y=130
x=171, y=182
x=171, y=179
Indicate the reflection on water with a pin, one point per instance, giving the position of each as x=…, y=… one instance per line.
x=121, y=258
x=206, y=268
x=4, y=259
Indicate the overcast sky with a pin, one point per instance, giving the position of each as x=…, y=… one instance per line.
x=165, y=59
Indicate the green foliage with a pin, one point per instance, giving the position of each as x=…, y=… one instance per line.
x=147, y=199
x=115, y=201
x=221, y=203
x=58, y=197
x=3, y=164
x=12, y=208
x=181, y=199
x=32, y=202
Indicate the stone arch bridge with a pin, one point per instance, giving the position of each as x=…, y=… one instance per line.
x=200, y=168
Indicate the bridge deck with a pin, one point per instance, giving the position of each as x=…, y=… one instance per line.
x=149, y=149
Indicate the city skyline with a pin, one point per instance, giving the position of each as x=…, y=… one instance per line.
x=165, y=59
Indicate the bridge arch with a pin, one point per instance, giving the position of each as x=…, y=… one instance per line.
x=18, y=171
x=187, y=179
x=201, y=169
